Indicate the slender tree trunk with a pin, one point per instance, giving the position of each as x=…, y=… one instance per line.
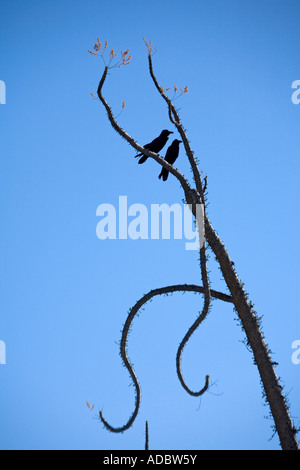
x=273, y=390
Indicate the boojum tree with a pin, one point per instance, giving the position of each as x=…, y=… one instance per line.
x=195, y=197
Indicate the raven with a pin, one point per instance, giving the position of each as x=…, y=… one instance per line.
x=156, y=145
x=171, y=157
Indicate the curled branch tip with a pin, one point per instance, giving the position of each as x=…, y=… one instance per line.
x=133, y=311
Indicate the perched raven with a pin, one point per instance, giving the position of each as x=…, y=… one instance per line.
x=171, y=157
x=156, y=145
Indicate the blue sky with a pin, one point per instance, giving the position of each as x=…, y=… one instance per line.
x=65, y=293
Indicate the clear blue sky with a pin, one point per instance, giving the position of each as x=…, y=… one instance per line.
x=65, y=293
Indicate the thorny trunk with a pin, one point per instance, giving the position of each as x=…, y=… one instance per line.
x=273, y=390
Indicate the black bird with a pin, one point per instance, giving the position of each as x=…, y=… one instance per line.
x=156, y=145
x=171, y=157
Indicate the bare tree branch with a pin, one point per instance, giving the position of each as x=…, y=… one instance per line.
x=175, y=119
x=192, y=329
x=123, y=346
x=185, y=185
x=199, y=189
x=272, y=388
x=190, y=195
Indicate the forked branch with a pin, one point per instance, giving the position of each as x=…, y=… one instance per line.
x=139, y=148
x=175, y=119
x=193, y=197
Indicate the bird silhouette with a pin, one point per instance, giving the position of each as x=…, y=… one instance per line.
x=171, y=157
x=156, y=145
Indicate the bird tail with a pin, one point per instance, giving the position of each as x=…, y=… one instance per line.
x=164, y=174
x=143, y=159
